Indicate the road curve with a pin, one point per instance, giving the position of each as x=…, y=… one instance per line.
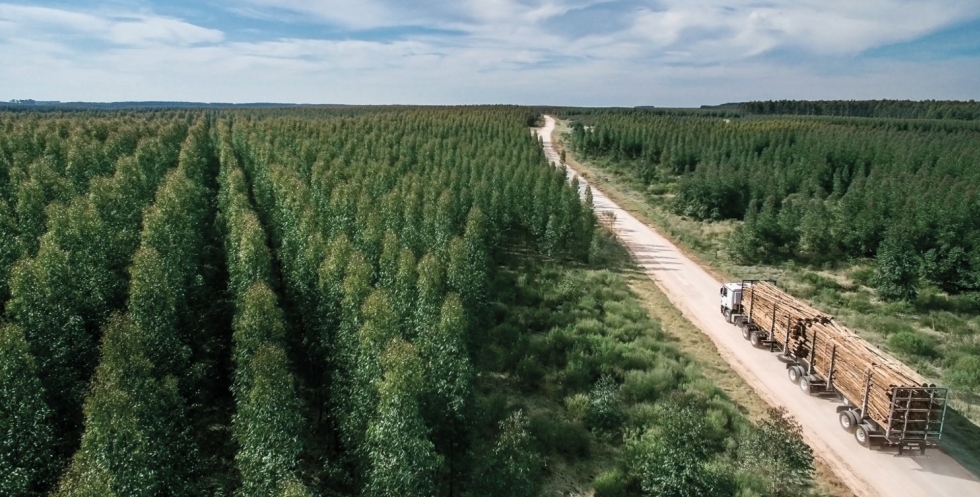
x=692, y=290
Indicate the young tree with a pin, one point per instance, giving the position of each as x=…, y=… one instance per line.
x=380, y=327
x=155, y=308
x=513, y=465
x=776, y=453
x=402, y=460
x=258, y=322
x=404, y=291
x=448, y=381
x=44, y=303
x=27, y=445
x=431, y=289
x=897, y=267
x=672, y=461
x=268, y=428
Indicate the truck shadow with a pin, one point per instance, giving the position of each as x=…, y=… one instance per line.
x=961, y=442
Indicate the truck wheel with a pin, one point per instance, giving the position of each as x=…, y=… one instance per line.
x=805, y=385
x=794, y=374
x=862, y=436
x=728, y=315
x=754, y=339
x=745, y=331
x=848, y=421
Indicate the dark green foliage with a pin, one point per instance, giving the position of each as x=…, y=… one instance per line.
x=268, y=427
x=897, y=269
x=912, y=343
x=443, y=350
x=258, y=322
x=928, y=109
x=44, y=303
x=530, y=372
x=570, y=441
x=815, y=190
x=612, y=484
x=299, y=298
x=776, y=455
x=671, y=461
x=9, y=251
x=42, y=186
x=965, y=372
x=136, y=439
x=605, y=413
x=155, y=308
x=512, y=466
x=402, y=460
x=27, y=445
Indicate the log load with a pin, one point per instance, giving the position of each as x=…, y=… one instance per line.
x=860, y=372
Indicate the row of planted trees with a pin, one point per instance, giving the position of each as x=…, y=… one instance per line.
x=264, y=304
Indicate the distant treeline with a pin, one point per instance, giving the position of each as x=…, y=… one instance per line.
x=896, y=109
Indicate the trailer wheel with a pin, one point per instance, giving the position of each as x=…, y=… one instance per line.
x=746, y=332
x=848, y=421
x=805, y=385
x=754, y=339
x=862, y=436
x=794, y=374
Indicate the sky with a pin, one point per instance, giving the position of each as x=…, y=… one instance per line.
x=669, y=53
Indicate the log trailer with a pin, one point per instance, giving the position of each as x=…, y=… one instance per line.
x=886, y=403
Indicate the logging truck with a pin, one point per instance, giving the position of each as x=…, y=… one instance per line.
x=885, y=403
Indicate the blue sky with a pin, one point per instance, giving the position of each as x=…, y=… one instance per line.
x=560, y=52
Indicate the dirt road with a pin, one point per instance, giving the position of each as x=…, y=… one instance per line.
x=692, y=290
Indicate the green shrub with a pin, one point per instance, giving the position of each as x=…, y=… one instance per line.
x=568, y=440
x=613, y=484
x=578, y=375
x=577, y=406
x=862, y=276
x=860, y=302
x=641, y=415
x=965, y=372
x=887, y=325
x=894, y=308
x=945, y=322
x=828, y=296
x=605, y=414
x=912, y=343
x=635, y=356
x=967, y=303
x=647, y=386
x=820, y=282
x=530, y=373
x=930, y=298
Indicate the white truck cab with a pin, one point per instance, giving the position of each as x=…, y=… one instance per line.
x=731, y=300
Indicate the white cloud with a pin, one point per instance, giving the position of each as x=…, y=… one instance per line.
x=714, y=30
x=517, y=51
x=161, y=30
x=50, y=23
x=359, y=14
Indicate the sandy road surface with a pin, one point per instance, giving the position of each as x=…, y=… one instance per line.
x=692, y=290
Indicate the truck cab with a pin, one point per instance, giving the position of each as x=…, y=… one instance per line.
x=731, y=300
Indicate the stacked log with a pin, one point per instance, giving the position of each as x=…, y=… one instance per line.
x=848, y=363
